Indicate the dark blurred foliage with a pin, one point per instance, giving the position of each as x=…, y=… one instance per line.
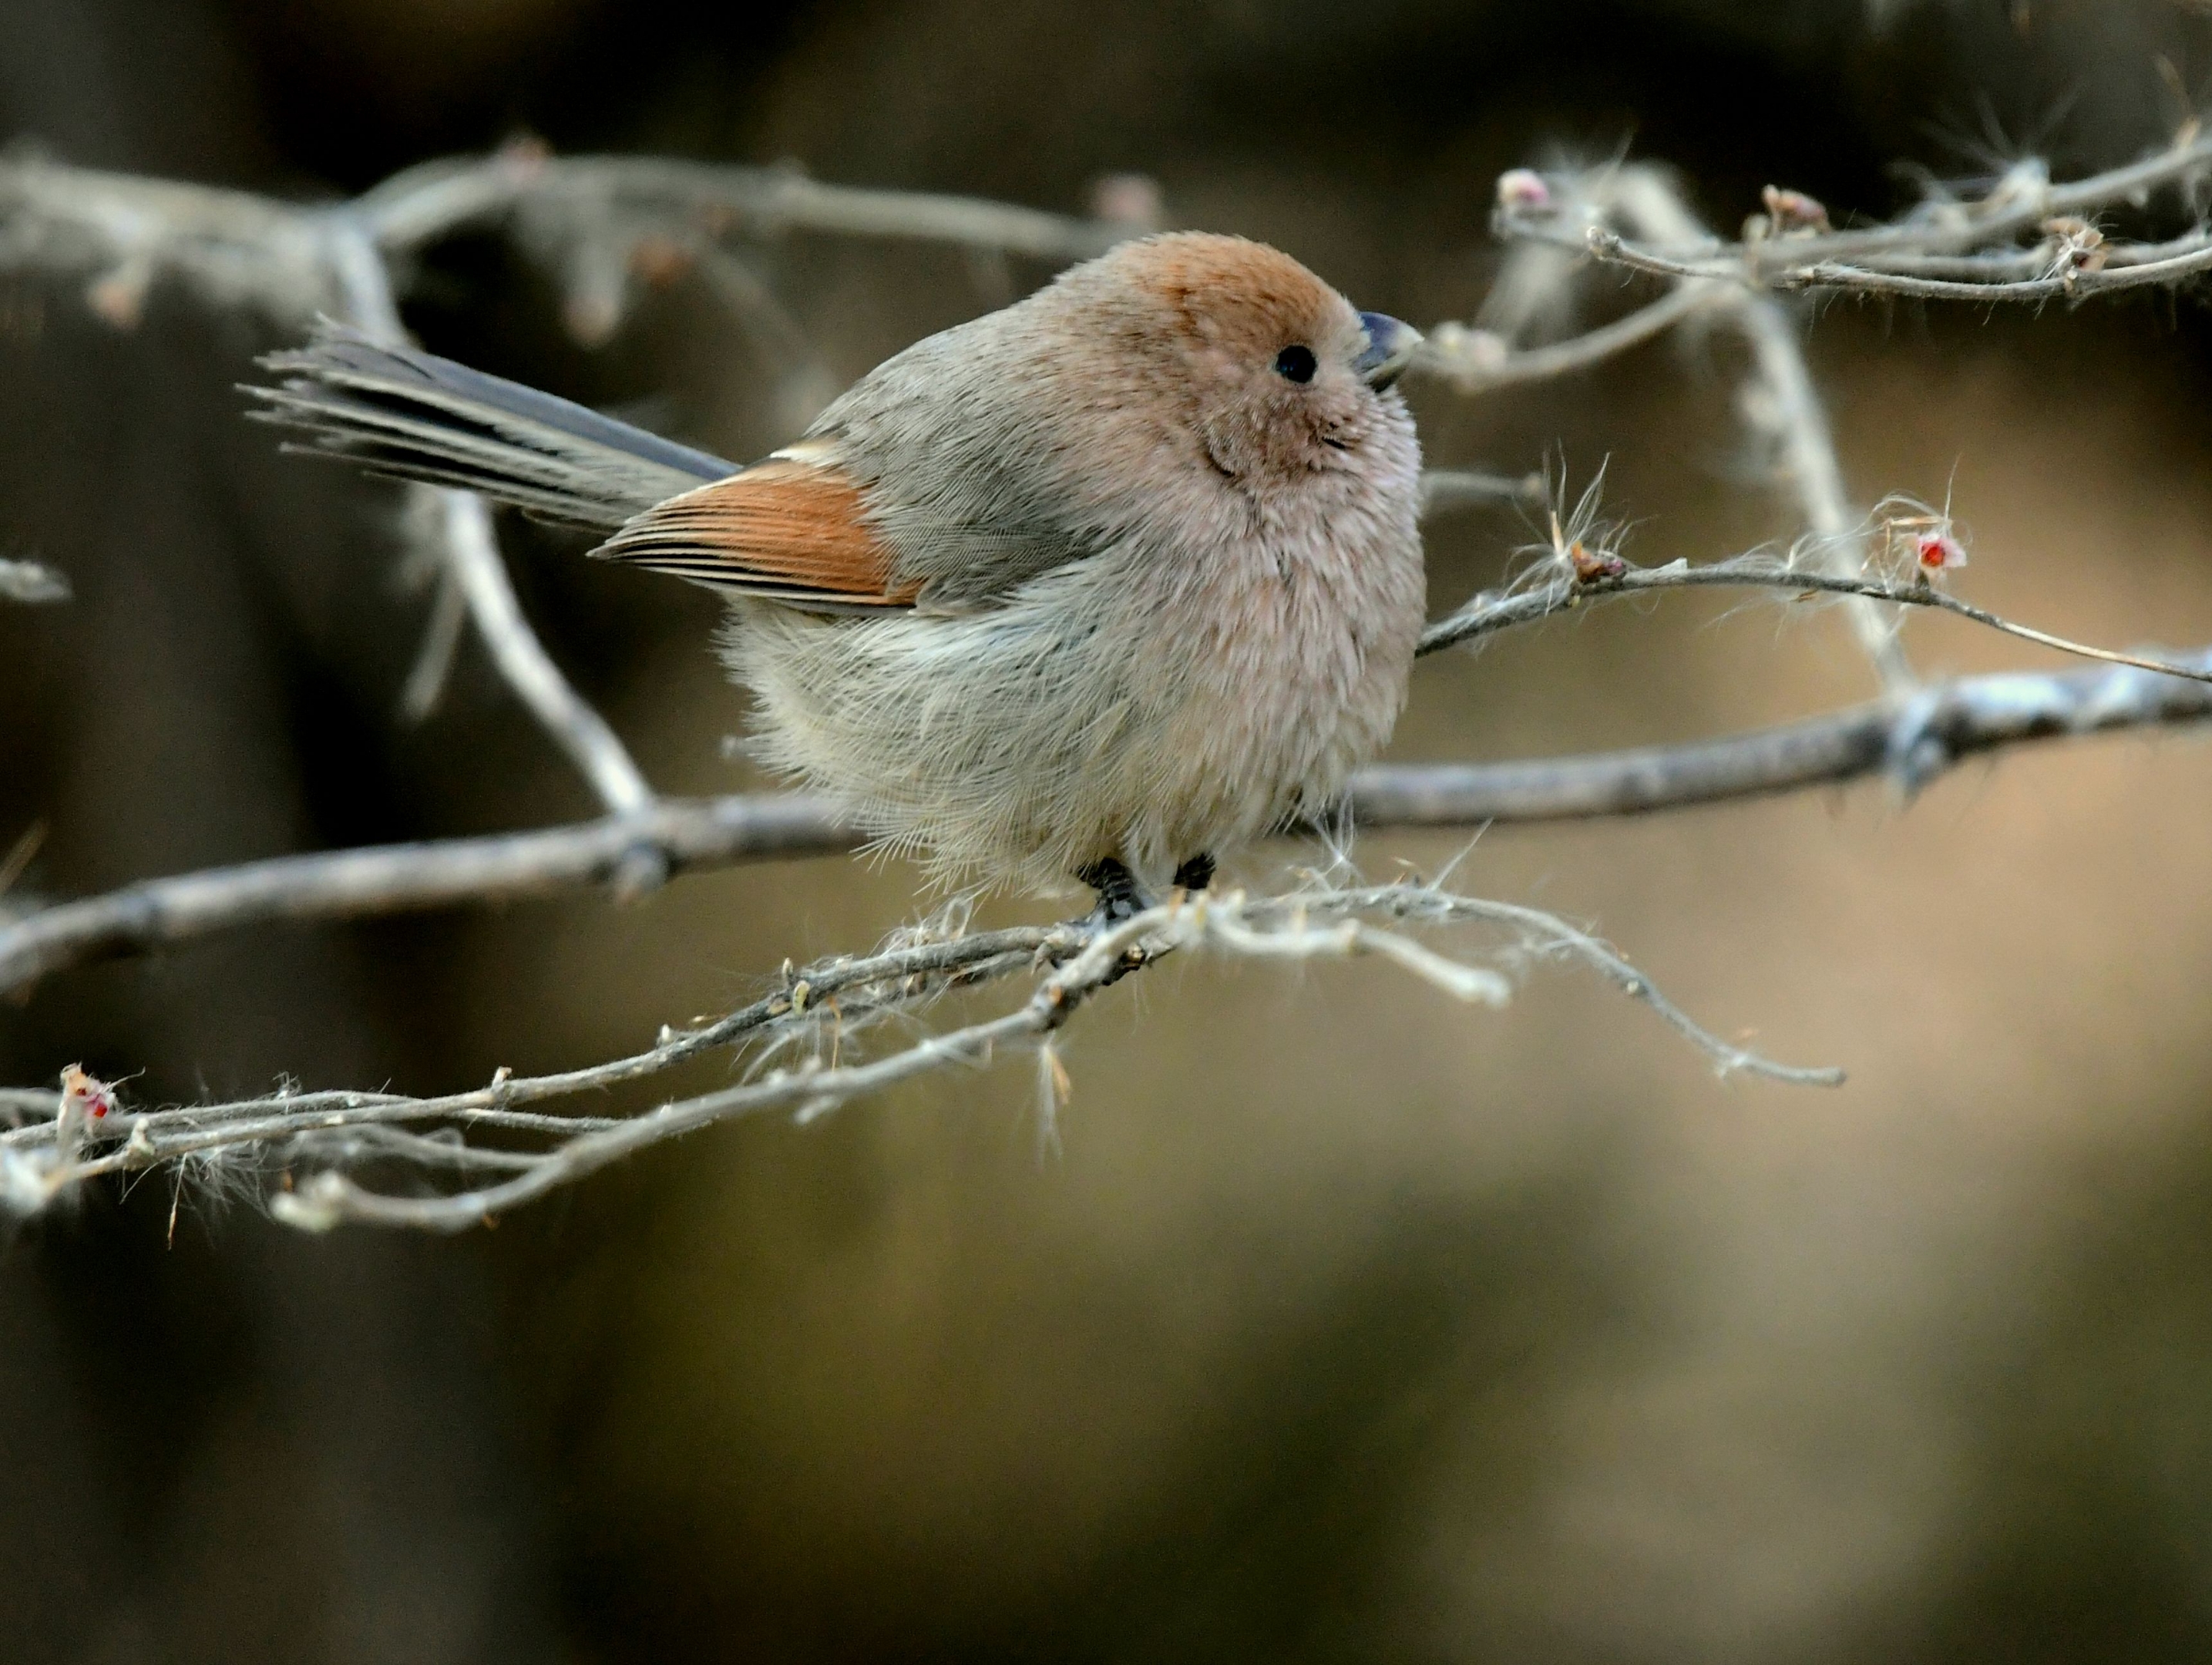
x=1341, y=1326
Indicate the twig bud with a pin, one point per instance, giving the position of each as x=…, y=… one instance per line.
x=1522, y=191
x=1793, y=210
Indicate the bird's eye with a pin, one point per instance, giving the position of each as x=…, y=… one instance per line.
x=1296, y=364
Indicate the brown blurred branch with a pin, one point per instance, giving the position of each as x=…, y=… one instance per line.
x=32, y=582
x=239, y=250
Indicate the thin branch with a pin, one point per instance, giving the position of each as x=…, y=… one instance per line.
x=1946, y=249
x=441, y=644
x=1490, y=613
x=33, y=583
x=1444, y=489
x=236, y=251
x=1481, y=361
x=1786, y=407
x=2070, y=282
x=313, y=1144
x=241, y=250
x=2183, y=258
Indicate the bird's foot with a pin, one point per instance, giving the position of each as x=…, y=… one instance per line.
x=1119, y=900
x=1195, y=874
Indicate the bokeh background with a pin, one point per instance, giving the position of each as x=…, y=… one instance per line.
x=1343, y=1323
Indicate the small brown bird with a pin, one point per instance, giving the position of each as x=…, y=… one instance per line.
x=1109, y=583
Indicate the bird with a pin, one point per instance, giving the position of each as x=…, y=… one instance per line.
x=1108, y=584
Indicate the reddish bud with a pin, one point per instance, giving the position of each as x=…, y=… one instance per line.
x=87, y=1094
x=1593, y=567
x=1522, y=190
x=659, y=260
x=1793, y=210
x=1129, y=199
x=1939, y=552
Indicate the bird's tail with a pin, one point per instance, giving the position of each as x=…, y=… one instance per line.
x=413, y=416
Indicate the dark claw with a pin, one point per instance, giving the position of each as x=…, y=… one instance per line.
x=1195, y=874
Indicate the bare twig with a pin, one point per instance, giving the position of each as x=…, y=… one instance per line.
x=471, y=557
x=441, y=641
x=238, y=250
x=404, y=878
x=2183, y=258
x=1779, y=400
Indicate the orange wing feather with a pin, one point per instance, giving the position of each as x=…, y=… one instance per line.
x=784, y=529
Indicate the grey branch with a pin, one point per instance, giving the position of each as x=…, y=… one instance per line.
x=426, y=203
x=1489, y=613
x=1444, y=489
x=392, y=878
x=1911, y=737
x=2166, y=264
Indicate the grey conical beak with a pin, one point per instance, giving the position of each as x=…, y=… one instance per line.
x=1390, y=347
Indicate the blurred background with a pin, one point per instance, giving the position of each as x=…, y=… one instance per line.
x=1345, y=1322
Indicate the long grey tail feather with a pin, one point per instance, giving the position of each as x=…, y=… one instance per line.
x=412, y=415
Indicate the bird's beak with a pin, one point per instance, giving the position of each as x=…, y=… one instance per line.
x=1390, y=347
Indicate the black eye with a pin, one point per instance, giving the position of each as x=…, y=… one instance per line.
x=1296, y=364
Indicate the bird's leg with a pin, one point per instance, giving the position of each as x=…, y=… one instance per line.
x=1195, y=874
x=1119, y=899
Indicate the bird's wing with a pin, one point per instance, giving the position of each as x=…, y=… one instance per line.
x=784, y=529
x=800, y=530
x=939, y=479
